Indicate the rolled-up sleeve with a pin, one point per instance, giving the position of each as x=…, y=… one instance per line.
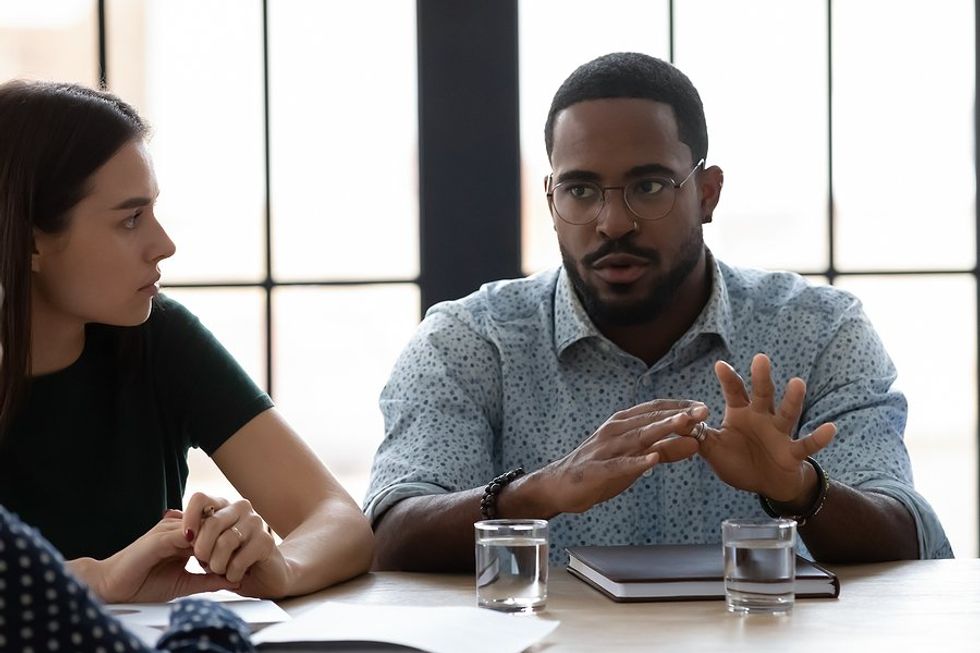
x=851, y=385
x=441, y=408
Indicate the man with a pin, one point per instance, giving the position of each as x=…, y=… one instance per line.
x=564, y=374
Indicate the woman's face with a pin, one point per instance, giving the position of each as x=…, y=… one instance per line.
x=103, y=267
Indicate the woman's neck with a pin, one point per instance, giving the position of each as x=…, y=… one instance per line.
x=57, y=340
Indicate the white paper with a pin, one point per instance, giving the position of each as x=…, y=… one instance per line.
x=254, y=612
x=432, y=629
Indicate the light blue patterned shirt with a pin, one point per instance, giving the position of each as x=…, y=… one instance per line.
x=516, y=374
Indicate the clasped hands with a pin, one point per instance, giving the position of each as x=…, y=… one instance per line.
x=229, y=541
x=752, y=450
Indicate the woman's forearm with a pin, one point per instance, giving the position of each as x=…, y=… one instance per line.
x=334, y=544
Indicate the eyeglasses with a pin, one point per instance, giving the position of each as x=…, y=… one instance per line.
x=649, y=198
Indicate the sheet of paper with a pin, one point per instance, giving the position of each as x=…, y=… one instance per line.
x=254, y=612
x=432, y=629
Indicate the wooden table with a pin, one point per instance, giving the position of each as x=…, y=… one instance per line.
x=928, y=606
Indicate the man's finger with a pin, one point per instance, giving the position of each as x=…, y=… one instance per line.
x=640, y=424
x=634, y=466
x=763, y=390
x=791, y=407
x=811, y=444
x=673, y=450
x=652, y=406
x=679, y=424
x=732, y=387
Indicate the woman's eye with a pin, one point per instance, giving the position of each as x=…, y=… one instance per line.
x=132, y=221
x=649, y=186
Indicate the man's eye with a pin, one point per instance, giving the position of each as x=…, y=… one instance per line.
x=580, y=191
x=649, y=186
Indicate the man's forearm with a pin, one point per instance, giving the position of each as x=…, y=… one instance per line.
x=856, y=526
x=435, y=532
x=428, y=533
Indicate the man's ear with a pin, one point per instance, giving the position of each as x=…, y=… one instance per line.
x=710, y=183
x=551, y=211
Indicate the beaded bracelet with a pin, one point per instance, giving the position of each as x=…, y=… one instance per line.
x=488, y=504
x=824, y=482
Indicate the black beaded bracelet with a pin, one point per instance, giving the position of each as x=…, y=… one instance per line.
x=822, y=479
x=488, y=504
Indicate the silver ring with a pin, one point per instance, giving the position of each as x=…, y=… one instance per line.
x=234, y=529
x=698, y=433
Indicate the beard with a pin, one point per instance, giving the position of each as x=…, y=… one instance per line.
x=661, y=294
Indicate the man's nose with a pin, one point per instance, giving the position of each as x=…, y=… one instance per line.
x=615, y=219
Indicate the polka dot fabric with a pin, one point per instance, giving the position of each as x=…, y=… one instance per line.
x=516, y=374
x=43, y=608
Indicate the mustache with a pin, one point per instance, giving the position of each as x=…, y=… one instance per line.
x=621, y=246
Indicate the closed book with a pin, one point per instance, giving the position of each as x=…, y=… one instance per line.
x=682, y=572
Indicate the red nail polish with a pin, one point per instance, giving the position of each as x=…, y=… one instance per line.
x=189, y=535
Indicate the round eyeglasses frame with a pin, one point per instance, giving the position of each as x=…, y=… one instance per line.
x=666, y=181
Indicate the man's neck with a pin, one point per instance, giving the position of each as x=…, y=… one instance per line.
x=651, y=340
x=57, y=340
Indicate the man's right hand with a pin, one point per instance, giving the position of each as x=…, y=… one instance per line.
x=629, y=443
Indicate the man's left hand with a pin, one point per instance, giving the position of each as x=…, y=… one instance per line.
x=754, y=450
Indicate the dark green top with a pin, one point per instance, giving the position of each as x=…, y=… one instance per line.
x=99, y=450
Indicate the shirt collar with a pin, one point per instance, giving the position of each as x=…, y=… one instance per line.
x=572, y=323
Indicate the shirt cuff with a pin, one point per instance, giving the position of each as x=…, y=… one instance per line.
x=933, y=543
x=386, y=497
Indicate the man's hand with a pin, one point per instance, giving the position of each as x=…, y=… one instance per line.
x=754, y=450
x=611, y=459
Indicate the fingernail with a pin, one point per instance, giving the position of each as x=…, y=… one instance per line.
x=189, y=535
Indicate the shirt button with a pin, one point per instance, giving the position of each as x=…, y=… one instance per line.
x=647, y=381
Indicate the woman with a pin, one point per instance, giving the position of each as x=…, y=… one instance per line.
x=43, y=608
x=107, y=384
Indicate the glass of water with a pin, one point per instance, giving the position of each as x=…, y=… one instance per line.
x=760, y=565
x=512, y=564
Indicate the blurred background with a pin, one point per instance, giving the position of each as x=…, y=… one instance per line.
x=330, y=169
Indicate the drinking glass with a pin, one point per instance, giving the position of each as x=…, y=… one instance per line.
x=512, y=564
x=760, y=565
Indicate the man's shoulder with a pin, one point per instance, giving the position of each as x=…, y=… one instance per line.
x=502, y=302
x=768, y=291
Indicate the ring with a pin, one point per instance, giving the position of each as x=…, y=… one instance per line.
x=698, y=433
x=234, y=529
x=208, y=511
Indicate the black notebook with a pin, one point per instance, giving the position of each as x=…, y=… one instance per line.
x=683, y=572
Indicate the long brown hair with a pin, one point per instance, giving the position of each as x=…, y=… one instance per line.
x=53, y=137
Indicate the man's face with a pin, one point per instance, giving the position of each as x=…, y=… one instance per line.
x=627, y=270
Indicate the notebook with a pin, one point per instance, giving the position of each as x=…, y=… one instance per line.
x=684, y=572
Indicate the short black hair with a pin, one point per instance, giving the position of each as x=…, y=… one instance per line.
x=634, y=75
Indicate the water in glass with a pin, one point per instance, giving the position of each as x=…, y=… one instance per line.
x=512, y=573
x=759, y=575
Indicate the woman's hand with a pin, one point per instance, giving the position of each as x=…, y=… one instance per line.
x=151, y=569
x=230, y=539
